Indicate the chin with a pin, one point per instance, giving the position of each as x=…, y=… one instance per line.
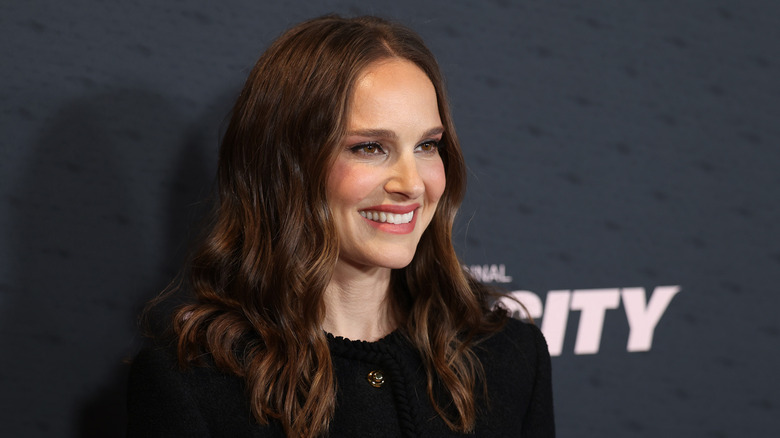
x=395, y=261
x=400, y=265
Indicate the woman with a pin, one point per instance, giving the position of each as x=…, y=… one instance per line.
x=328, y=299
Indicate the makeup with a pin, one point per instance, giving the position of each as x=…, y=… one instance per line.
x=395, y=219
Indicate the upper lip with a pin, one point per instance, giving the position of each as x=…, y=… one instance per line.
x=392, y=208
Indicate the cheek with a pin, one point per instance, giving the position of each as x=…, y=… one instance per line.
x=435, y=180
x=347, y=185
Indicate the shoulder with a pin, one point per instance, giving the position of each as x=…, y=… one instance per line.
x=160, y=367
x=518, y=372
x=159, y=402
x=517, y=353
x=153, y=371
x=165, y=399
x=516, y=340
x=153, y=362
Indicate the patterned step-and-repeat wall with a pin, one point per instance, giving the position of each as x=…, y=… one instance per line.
x=624, y=185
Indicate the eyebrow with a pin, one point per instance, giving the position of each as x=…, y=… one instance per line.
x=390, y=135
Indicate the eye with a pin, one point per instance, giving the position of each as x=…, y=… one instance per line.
x=428, y=147
x=369, y=148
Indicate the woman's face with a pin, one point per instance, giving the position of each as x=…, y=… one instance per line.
x=387, y=177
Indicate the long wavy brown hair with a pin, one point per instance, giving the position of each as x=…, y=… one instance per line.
x=259, y=275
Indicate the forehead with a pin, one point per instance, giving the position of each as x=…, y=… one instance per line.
x=393, y=91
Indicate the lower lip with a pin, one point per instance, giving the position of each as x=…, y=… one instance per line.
x=394, y=228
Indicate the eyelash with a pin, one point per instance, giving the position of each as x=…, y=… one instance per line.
x=434, y=146
x=361, y=148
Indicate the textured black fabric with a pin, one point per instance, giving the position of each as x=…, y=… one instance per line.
x=165, y=401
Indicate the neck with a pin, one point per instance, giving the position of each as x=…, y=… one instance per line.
x=358, y=303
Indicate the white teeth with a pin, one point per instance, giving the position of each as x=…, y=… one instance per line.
x=390, y=218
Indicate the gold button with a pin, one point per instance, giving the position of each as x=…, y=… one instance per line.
x=376, y=378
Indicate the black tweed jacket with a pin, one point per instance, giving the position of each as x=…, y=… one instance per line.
x=164, y=401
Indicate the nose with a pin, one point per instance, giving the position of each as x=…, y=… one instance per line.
x=405, y=178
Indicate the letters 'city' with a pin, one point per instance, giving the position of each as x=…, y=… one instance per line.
x=643, y=314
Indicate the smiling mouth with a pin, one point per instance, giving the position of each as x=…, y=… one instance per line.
x=390, y=218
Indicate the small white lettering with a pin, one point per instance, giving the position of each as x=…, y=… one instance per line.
x=489, y=273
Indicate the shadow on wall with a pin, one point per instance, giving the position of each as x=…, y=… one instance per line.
x=101, y=217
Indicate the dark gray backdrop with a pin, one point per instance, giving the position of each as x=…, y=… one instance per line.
x=611, y=145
